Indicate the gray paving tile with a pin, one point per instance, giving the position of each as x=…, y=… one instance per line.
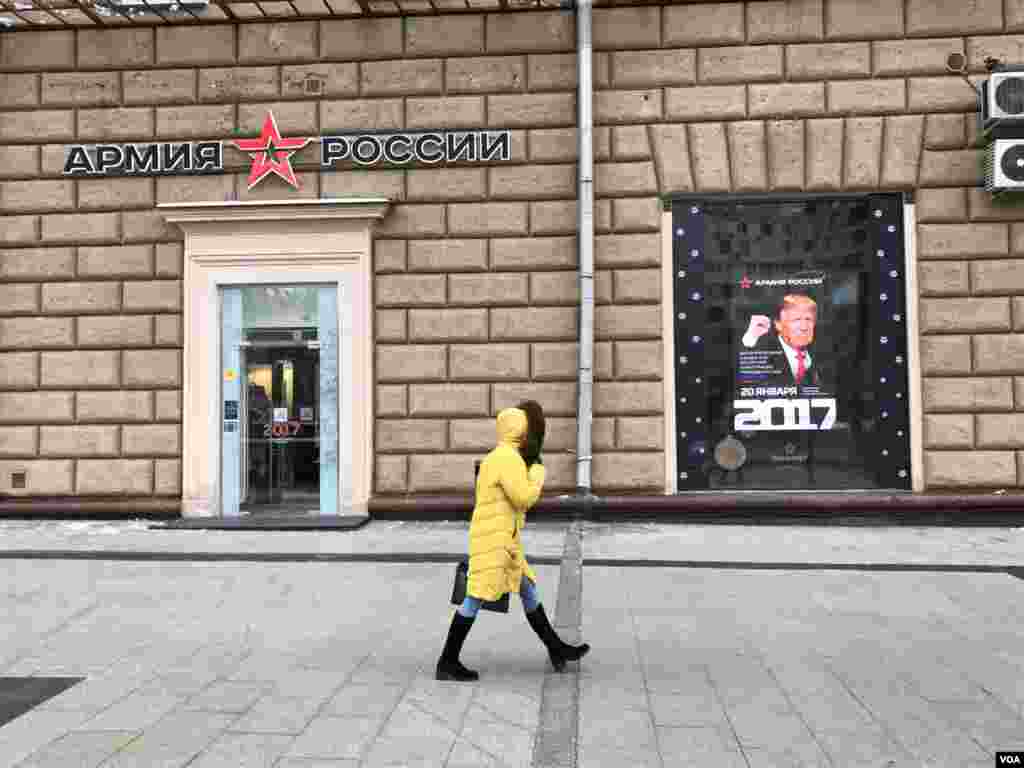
x=513, y=707
x=990, y=723
x=412, y=737
x=180, y=683
x=607, y=706
x=703, y=746
x=765, y=729
x=511, y=743
x=171, y=743
x=226, y=697
x=95, y=693
x=364, y=700
x=265, y=665
x=78, y=750
x=467, y=755
x=693, y=708
x=833, y=708
x=335, y=737
x=920, y=731
x=665, y=679
x=863, y=746
x=624, y=677
x=786, y=758
x=387, y=671
x=135, y=712
x=341, y=653
x=308, y=683
x=935, y=680
x=603, y=757
x=243, y=750
x=443, y=700
x=627, y=731
x=277, y=714
x=302, y=762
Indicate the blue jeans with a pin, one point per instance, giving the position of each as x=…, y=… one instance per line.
x=527, y=591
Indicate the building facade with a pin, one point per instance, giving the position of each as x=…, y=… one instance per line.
x=278, y=259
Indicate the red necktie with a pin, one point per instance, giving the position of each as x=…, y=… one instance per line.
x=801, y=369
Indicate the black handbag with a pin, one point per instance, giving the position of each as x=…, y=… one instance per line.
x=459, y=591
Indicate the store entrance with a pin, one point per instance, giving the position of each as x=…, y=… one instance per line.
x=281, y=431
x=279, y=452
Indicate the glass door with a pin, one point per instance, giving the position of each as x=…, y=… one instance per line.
x=280, y=400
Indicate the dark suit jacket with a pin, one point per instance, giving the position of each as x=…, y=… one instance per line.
x=816, y=376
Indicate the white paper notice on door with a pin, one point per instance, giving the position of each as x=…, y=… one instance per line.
x=280, y=415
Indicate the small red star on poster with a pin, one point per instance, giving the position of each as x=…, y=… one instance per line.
x=271, y=153
x=746, y=282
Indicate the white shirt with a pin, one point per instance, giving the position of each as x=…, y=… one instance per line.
x=791, y=356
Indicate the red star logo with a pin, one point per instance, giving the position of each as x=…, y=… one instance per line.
x=271, y=154
x=746, y=282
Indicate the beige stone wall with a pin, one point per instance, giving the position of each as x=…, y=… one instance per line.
x=474, y=266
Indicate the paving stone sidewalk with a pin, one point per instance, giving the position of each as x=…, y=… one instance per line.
x=330, y=664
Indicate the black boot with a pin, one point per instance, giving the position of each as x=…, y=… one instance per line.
x=558, y=651
x=448, y=666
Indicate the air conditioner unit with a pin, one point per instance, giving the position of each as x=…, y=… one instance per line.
x=1004, y=166
x=1002, y=104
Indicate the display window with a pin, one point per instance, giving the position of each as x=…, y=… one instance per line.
x=790, y=338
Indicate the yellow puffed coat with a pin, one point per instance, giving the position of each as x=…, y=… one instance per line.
x=504, y=491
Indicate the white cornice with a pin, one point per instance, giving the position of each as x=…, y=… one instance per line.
x=275, y=210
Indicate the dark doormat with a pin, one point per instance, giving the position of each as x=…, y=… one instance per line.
x=266, y=523
x=20, y=694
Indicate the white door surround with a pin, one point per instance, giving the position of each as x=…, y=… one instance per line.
x=234, y=243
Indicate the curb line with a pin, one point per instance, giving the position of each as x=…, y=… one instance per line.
x=555, y=744
x=567, y=619
x=250, y=557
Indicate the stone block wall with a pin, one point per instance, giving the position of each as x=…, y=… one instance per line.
x=474, y=267
x=90, y=369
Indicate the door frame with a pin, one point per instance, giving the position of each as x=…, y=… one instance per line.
x=250, y=242
x=340, y=448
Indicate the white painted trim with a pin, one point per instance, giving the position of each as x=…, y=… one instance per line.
x=320, y=204
x=916, y=406
x=273, y=210
x=669, y=354
x=342, y=280
x=331, y=244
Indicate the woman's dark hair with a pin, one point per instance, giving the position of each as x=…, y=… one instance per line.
x=533, y=444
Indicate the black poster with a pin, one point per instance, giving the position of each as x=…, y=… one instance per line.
x=790, y=343
x=784, y=369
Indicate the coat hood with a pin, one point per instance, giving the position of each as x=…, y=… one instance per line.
x=511, y=427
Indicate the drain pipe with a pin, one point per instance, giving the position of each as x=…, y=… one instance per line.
x=585, y=243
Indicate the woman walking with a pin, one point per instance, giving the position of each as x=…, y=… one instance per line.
x=505, y=489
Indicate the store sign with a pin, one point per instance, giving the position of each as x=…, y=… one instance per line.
x=271, y=153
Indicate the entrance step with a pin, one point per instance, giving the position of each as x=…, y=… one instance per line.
x=266, y=523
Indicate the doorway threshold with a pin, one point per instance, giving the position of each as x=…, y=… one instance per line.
x=266, y=522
